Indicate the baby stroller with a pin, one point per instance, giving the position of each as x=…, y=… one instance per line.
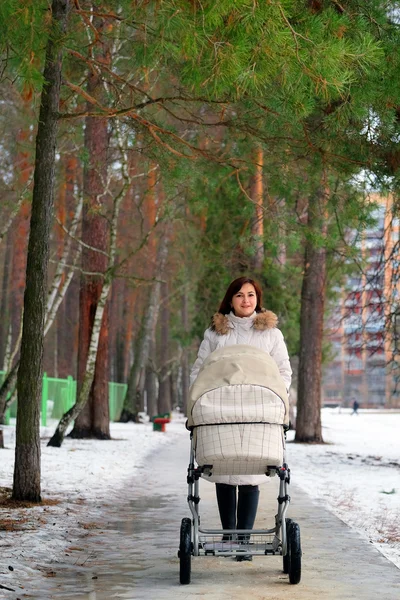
x=238, y=417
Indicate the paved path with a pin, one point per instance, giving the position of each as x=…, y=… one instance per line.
x=135, y=556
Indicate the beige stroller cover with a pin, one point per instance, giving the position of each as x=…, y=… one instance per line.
x=238, y=405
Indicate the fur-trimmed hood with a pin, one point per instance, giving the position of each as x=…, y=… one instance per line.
x=263, y=320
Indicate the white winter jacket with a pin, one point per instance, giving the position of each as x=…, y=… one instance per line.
x=258, y=330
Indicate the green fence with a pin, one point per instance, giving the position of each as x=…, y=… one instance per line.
x=59, y=395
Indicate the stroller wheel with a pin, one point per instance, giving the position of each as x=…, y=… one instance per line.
x=185, y=551
x=286, y=557
x=294, y=553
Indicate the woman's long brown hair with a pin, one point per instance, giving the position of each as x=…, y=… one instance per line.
x=236, y=285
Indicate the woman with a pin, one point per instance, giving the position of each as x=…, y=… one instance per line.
x=242, y=320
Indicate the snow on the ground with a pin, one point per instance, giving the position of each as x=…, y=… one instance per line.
x=356, y=473
x=77, y=481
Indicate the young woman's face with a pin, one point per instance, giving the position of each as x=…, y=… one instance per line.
x=244, y=302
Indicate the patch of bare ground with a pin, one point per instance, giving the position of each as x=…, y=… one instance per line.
x=388, y=526
x=17, y=515
x=22, y=516
x=7, y=501
x=345, y=501
x=91, y=525
x=15, y=524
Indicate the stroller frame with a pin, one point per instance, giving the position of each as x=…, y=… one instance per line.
x=282, y=539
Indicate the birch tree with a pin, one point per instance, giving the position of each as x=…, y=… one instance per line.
x=56, y=294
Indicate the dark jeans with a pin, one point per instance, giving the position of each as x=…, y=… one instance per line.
x=239, y=514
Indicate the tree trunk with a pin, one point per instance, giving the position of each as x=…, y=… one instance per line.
x=308, y=420
x=4, y=311
x=10, y=379
x=164, y=389
x=7, y=387
x=151, y=384
x=64, y=338
x=20, y=233
x=95, y=336
x=27, y=452
x=101, y=407
x=89, y=375
x=64, y=292
x=113, y=345
x=57, y=292
x=130, y=408
x=72, y=323
x=93, y=419
x=7, y=226
x=185, y=355
x=257, y=227
x=129, y=318
x=121, y=311
x=151, y=391
x=66, y=325
x=174, y=387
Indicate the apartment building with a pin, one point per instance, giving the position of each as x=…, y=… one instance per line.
x=362, y=329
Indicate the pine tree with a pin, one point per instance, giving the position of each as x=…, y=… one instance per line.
x=27, y=452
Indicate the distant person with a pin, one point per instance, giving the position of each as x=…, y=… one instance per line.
x=355, y=408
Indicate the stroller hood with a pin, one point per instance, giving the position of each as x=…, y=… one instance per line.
x=236, y=365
